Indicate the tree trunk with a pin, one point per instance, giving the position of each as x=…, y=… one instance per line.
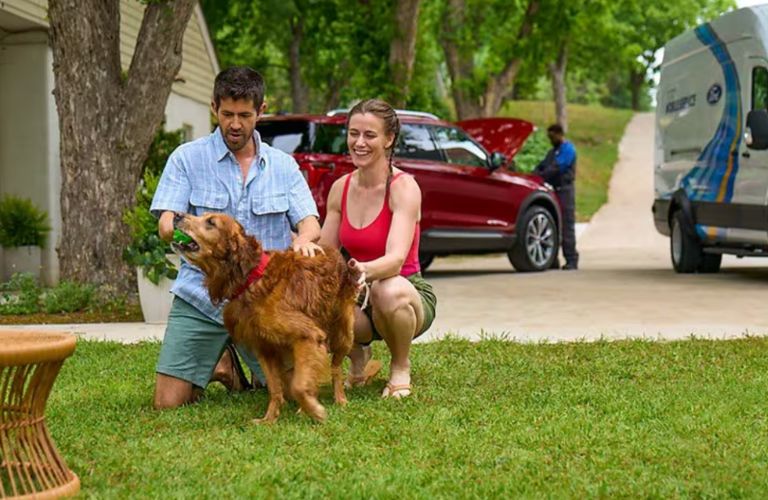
x=460, y=62
x=636, y=80
x=557, y=69
x=339, y=80
x=299, y=90
x=402, y=50
x=499, y=89
x=107, y=120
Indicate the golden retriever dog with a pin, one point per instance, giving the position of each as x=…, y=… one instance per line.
x=289, y=310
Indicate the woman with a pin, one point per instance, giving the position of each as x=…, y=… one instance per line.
x=373, y=213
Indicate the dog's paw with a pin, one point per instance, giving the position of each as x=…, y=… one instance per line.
x=264, y=420
x=319, y=414
x=342, y=401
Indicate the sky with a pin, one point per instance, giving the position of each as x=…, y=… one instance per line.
x=747, y=3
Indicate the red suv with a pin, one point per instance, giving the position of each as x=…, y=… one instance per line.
x=473, y=201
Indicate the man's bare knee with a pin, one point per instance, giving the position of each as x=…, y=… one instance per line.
x=171, y=392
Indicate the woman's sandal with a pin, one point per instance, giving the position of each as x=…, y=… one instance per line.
x=396, y=391
x=370, y=371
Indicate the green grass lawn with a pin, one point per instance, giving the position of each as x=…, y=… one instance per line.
x=491, y=419
x=596, y=132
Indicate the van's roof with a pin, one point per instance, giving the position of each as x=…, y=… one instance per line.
x=749, y=22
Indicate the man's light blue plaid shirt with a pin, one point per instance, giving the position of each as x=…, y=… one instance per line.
x=204, y=176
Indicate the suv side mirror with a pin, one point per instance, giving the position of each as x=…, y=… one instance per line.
x=498, y=160
x=756, y=136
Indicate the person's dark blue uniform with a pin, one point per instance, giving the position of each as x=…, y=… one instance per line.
x=558, y=169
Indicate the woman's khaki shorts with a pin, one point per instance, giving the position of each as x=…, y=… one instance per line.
x=428, y=304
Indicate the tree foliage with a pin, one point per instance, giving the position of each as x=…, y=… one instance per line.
x=470, y=55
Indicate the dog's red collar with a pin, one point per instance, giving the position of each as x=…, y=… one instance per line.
x=256, y=273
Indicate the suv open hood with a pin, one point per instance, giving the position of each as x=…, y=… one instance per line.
x=505, y=135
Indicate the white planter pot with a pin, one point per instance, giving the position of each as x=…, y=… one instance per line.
x=21, y=260
x=156, y=299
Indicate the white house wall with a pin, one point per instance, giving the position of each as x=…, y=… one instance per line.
x=28, y=138
x=181, y=112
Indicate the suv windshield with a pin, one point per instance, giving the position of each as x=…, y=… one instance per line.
x=459, y=148
x=304, y=137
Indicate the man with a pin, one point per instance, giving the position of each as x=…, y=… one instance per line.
x=228, y=171
x=559, y=169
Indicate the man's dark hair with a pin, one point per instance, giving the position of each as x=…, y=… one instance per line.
x=239, y=82
x=556, y=128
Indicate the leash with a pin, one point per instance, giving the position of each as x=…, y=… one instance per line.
x=365, y=288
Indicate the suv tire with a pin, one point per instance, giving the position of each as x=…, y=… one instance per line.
x=425, y=260
x=537, y=242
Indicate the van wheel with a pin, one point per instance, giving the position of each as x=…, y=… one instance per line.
x=710, y=263
x=537, y=242
x=684, y=248
x=425, y=260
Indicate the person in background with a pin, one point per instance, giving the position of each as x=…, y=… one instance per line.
x=558, y=169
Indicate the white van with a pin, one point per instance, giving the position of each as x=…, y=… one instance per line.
x=711, y=166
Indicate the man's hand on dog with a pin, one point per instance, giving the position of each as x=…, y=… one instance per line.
x=307, y=249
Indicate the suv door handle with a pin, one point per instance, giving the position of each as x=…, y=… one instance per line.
x=746, y=154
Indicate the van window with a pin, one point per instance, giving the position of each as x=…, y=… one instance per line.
x=760, y=88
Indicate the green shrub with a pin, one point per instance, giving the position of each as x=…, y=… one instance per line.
x=20, y=295
x=68, y=297
x=107, y=299
x=164, y=143
x=147, y=250
x=533, y=151
x=22, y=223
x=23, y=295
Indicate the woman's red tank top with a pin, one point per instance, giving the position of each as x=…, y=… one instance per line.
x=370, y=242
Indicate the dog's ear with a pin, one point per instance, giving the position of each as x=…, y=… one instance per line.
x=247, y=250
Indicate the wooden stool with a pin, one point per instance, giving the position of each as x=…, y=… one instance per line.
x=30, y=465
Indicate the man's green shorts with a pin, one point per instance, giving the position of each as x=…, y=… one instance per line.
x=193, y=344
x=428, y=304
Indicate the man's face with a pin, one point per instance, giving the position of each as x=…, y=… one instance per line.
x=237, y=119
x=555, y=138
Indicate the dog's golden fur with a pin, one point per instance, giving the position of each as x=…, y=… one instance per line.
x=301, y=308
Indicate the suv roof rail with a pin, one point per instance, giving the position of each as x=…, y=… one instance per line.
x=404, y=112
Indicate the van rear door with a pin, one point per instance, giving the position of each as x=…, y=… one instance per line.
x=751, y=186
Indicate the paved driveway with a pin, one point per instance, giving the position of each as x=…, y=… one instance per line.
x=625, y=286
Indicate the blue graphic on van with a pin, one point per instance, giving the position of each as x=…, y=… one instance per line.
x=712, y=178
x=714, y=93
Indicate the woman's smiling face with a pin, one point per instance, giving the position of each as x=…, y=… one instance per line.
x=367, y=139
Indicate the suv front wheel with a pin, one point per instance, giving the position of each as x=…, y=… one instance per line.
x=538, y=241
x=425, y=260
